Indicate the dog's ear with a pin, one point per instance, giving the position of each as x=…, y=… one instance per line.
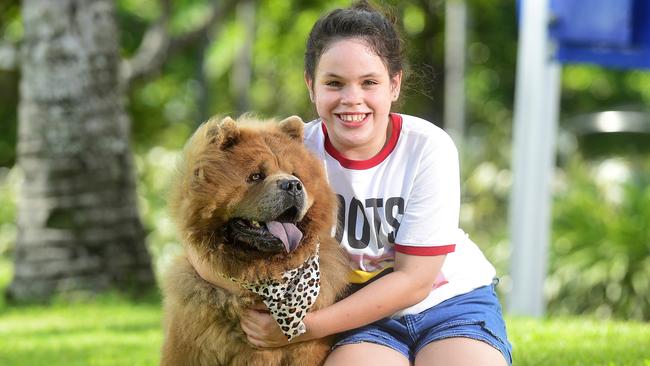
x=223, y=133
x=292, y=126
x=229, y=133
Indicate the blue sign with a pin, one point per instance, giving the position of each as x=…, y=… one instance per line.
x=613, y=33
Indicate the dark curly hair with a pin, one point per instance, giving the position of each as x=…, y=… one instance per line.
x=360, y=20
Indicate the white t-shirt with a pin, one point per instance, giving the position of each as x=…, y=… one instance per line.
x=404, y=199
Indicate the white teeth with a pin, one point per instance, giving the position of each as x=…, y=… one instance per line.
x=353, y=117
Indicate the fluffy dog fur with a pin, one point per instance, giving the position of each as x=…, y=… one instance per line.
x=230, y=170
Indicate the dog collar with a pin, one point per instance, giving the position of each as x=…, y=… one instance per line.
x=289, y=299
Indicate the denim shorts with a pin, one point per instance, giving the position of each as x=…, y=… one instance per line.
x=476, y=315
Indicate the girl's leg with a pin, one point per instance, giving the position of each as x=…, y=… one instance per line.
x=459, y=352
x=361, y=354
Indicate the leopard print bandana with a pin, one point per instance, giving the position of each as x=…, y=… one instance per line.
x=289, y=299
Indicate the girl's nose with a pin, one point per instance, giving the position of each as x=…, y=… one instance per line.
x=352, y=95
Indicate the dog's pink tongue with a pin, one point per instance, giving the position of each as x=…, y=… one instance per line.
x=287, y=232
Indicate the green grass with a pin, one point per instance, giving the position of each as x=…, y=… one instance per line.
x=101, y=332
x=107, y=330
x=579, y=341
x=113, y=330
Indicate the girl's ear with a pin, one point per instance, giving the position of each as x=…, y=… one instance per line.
x=395, y=86
x=310, y=84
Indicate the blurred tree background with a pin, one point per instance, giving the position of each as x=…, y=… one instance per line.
x=252, y=60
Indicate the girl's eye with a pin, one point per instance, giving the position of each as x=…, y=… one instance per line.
x=255, y=177
x=334, y=84
x=369, y=82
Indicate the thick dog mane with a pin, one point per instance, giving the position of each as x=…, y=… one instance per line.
x=202, y=197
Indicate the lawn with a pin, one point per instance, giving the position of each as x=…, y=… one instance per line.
x=112, y=330
x=579, y=341
x=102, y=332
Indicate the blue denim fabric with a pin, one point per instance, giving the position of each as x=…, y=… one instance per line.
x=476, y=315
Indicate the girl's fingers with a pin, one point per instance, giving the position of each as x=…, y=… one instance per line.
x=261, y=330
x=250, y=328
x=245, y=327
x=255, y=342
x=263, y=322
x=251, y=334
x=258, y=316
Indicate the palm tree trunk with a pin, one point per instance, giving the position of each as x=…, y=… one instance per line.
x=78, y=223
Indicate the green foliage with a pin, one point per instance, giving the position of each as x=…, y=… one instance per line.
x=179, y=94
x=490, y=80
x=155, y=171
x=8, y=188
x=8, y=115
x=483, y=213
x=601, y=239
x=589, y=88
x=11, y=31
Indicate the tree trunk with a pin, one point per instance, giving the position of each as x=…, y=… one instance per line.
x=78, y=223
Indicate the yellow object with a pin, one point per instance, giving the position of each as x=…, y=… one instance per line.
x=359, y=276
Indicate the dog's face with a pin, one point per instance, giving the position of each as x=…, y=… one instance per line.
x=251, y=189
x=269, y=210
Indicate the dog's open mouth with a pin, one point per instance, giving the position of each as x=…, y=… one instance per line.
x=270, y=237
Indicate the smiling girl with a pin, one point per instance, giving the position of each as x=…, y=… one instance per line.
x=424, y=292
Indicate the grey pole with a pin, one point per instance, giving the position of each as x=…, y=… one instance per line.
x=533, y=159
x=455, y=45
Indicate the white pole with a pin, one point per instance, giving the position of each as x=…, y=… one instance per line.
x=533, y=155
x=455, y=44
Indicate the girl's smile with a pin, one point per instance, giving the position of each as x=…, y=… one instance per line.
x=353, y=120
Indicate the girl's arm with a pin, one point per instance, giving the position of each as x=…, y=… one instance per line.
x=410, y=282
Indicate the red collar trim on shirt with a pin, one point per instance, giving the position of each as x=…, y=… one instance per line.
x=388, y=148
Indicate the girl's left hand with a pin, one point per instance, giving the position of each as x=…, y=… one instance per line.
x=261, y=329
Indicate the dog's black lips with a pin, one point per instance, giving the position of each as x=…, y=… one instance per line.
x=254, y=234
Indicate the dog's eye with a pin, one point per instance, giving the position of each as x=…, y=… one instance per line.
x=255, y=177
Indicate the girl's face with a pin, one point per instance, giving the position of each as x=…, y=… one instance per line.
x=353, y=93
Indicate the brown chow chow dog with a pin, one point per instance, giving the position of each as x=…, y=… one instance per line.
x=254, y=204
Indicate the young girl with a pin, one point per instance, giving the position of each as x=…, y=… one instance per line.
x=424, y=291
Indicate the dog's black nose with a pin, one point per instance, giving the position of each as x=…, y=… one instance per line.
x=292, y=186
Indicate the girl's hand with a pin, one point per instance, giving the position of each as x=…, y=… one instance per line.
x=261, y=329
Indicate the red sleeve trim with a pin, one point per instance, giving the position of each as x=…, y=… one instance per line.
x=437, y=250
